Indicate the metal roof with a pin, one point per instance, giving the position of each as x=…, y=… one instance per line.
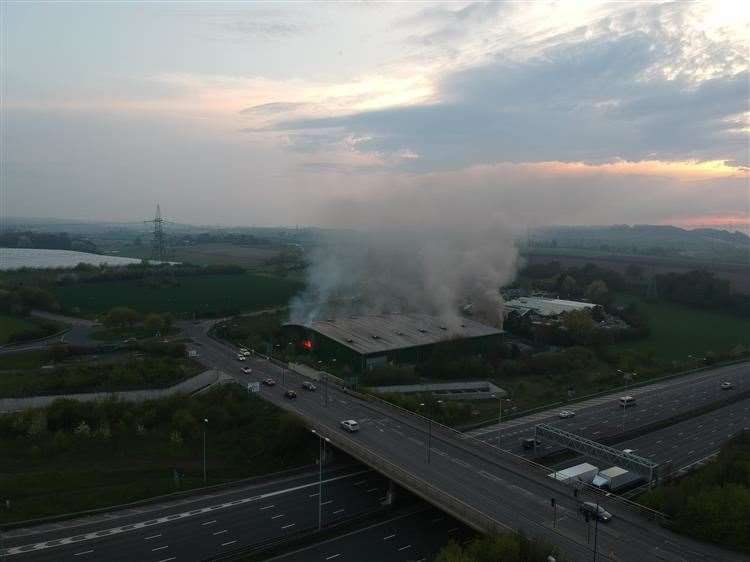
x=545, y=307
x=380, y=333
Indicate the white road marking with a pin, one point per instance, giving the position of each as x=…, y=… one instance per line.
x=209, y=522
x=220, y=532
x=82, y=553
x=290, y=525
x=152, y=537
x=327, y=502
x=228, y=543
x=277, y=516
x=333, y=556
x=159, y=548
x=338, y=511
x=168, y=559
x=389, y=537
x=267, y=507
x=405, y=547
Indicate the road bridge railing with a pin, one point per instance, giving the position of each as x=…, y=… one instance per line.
x=498, y=456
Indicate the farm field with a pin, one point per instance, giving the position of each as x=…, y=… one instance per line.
x=211, y=254
x=10, y=325
x=678, y=331
x=202, y=295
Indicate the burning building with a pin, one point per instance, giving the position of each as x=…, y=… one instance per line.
x=365, y=342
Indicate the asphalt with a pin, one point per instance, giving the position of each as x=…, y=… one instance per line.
x=203, y=526
x=496, y=483
x=602, y=417
x=416, y=537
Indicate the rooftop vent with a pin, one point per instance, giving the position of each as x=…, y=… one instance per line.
x=375, y=337
x=349, y=340
x=423, y=330
x=443, y=327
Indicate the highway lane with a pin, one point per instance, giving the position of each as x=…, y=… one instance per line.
x=688, y=441
x=204, y=526
x=602, y=417
x=487, y=479
x=413, y=537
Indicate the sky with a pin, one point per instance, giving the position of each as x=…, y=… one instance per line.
x=372, y=113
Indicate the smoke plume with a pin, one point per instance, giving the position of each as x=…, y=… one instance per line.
x=410, y=254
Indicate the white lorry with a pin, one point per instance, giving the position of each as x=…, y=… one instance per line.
x=579, y=473
x=615, y=478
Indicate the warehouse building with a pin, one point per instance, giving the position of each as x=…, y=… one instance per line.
x=364, y=342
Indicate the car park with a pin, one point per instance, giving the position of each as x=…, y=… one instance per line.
x=595, y=510
x=269, y=382
x=290, y=394
x=566, y=414
x=246, y=370
x=350, y=425
x=727, y=385
x=307, y=385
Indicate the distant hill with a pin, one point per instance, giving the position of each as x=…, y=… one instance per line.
x=703, y=244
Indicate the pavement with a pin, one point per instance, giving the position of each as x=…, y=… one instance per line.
x=602, y=417
x=496, y=483
x=77, y=333
x=415, y=537
x=199, y=527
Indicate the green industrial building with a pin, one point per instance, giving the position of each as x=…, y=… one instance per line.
x=365, y=342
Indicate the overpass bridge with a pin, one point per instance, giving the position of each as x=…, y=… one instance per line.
x=488, y=488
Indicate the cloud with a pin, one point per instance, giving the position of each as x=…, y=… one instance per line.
x=273, y=108
x=597, y=100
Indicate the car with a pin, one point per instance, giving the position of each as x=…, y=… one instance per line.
x=566, y=414
x=307, y=385
x=628, y=451
x=727, y=385
x=244, y=351
x=350, y=425
x=627, y=401
x=246, y=370
x=129, y=340
x=530, y=443
x=597, y=511
x=240, y=357
x=269, y=382
x=290, y=394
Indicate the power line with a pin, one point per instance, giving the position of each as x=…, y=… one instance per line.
x=158, y=238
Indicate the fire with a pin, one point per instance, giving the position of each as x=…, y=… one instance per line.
x=307, y=343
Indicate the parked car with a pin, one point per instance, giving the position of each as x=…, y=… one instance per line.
x=566, y=414
x=627, y=401
x=240, y=357
x=290, y=394
x=595, y=510
x=307, y=385
x=350, y=425
x=244, y=351
x=269, y=382
x=246, y=370
x=727, y=385
x=529, y=443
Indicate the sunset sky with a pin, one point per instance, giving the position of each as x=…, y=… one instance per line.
x=333, y=113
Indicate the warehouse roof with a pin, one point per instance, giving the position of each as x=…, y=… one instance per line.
x=378, y=333
x=545, y=307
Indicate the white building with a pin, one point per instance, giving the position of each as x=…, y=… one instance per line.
x=544, y=307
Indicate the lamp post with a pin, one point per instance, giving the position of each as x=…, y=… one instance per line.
x=205, y=425
x=321, y=454
x=499, y=418
x=428, y=442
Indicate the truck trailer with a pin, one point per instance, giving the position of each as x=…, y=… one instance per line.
x=615, y=478
x=579, y=473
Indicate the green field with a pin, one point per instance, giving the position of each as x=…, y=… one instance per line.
x=679, y=331
x=10, y=325
x=204, y=294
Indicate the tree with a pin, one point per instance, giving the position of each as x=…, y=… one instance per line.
x=579, y=325
x=568, y=286
x=121, y=317
x=153, y=323
x=597, y=292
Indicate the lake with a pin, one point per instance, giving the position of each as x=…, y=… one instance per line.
x=14, y=258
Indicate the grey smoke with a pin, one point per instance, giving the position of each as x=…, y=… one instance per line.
x=425, y=268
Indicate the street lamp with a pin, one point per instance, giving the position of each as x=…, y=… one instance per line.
x=429, y=433
x=321, y=456
x=205, y=425
x=499, y=418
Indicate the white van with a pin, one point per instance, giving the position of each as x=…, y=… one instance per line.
x=350, y=425
x=626, y=401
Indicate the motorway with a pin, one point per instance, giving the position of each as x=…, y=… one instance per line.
x=602, y=417
x=496, y=483
x=415, y=537
x=199, y=527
